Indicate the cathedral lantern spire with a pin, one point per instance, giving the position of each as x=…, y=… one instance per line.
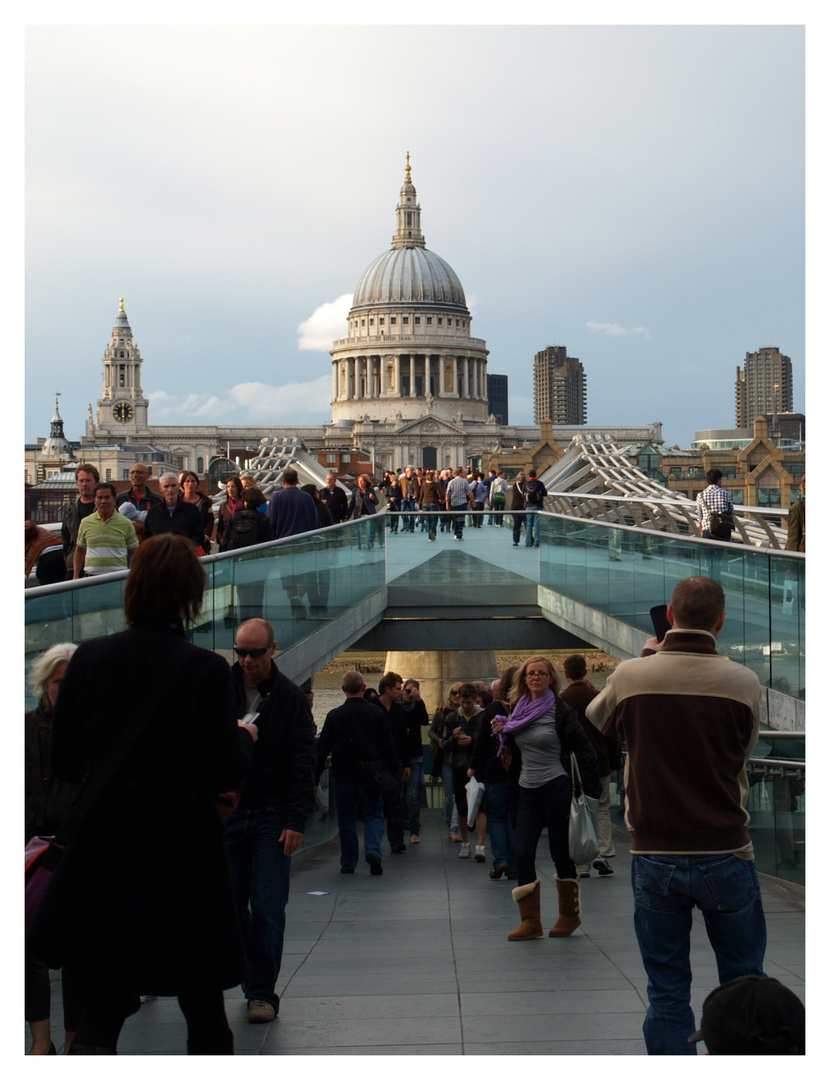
x=408, y=213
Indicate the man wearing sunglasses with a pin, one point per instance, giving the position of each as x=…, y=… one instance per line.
x=276, y=801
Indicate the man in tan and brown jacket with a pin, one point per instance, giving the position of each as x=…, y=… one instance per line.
x=689, y=718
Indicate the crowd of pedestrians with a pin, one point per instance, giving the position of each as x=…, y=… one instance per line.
x=200, y=817
x=446, y=500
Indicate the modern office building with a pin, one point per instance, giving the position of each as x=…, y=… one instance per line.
x=559, y=390
x=497, y=397
x=764, y=386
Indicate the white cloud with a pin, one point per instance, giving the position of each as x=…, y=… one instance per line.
x=247, y=403
x=615, y=330
x=327, y=322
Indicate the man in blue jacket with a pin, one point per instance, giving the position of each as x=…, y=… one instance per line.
x=292, y=510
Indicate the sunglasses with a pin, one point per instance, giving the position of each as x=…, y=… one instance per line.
x=242, y=653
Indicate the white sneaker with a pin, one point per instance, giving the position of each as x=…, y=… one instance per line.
x=480, y=856
x=464, y=853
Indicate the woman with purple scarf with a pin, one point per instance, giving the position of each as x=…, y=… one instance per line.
x=541, y=734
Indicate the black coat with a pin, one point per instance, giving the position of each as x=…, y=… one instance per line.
x=142, y=901
x=47, y=800
x=186, y=520
x=281, y=769
x=356, y=731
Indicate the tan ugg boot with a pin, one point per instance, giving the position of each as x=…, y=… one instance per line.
x=568, y=889
x=529, y=899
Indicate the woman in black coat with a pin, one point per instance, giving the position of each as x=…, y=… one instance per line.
x=142, y=902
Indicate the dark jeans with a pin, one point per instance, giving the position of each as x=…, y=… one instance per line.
x=500, y=826
x=431, y=509
x=548, y=805
x=458, y=518
x=413, y=796
x=667, y=889
x=393, y=812
x=351, y=797
x=518, y=521
x=260, y=875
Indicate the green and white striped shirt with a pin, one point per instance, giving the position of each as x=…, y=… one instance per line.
x=106, y=542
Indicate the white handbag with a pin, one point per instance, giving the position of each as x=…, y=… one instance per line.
x=583, y=845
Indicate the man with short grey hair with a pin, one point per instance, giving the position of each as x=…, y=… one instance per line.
x=174, y=515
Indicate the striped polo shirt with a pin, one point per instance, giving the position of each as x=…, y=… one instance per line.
x=106, y=542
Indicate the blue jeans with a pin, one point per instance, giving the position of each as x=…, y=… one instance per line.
x=666, y=890
x=450, y=813
x=548, y=805
x=500, y=826
x=350, y=796
x=458, y=518
x=532, y=535
x=431, y=510
x=407, y=507
x=260, y=873
x=413, y=796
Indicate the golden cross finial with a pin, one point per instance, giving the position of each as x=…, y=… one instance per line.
x=121, y=308
x=408, y=177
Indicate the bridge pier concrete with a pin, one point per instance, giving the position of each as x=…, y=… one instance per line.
x=436, y=670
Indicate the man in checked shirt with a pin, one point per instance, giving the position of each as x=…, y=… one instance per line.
x=716, y=498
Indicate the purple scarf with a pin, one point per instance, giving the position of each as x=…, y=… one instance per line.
x=526, y=711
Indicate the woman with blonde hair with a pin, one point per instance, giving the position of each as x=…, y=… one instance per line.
x=48, y=801
x=541, y=734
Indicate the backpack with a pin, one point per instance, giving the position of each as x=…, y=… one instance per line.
x=246, y=530
x=533, y=493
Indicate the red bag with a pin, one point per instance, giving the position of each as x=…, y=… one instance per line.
x=43, y=853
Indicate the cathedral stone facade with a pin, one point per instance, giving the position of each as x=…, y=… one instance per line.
x=409, y=382
x=409, y=351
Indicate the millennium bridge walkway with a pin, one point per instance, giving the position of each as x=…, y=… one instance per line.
x=417, y=961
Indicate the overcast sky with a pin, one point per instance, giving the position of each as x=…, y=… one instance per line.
x=635, y=193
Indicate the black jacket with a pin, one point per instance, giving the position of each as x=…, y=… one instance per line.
x=485, y=757
x=355, y=731
x=337, y=501
x=47, y=799
x=186, y=520
x=281, y=772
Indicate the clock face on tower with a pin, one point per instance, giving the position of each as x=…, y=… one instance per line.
x=123, y=412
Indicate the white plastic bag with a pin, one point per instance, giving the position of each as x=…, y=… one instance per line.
x=475, y=797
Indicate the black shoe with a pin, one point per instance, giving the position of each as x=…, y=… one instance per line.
x=398, y=849
x=346, y=869
x=375, y=865
x=602, y=867
x=497, y=871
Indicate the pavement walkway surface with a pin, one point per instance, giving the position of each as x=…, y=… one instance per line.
x=417, y=962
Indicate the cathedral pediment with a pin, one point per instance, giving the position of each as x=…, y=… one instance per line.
x=430, y=425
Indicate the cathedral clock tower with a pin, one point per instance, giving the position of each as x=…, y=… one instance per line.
x=122, y=408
